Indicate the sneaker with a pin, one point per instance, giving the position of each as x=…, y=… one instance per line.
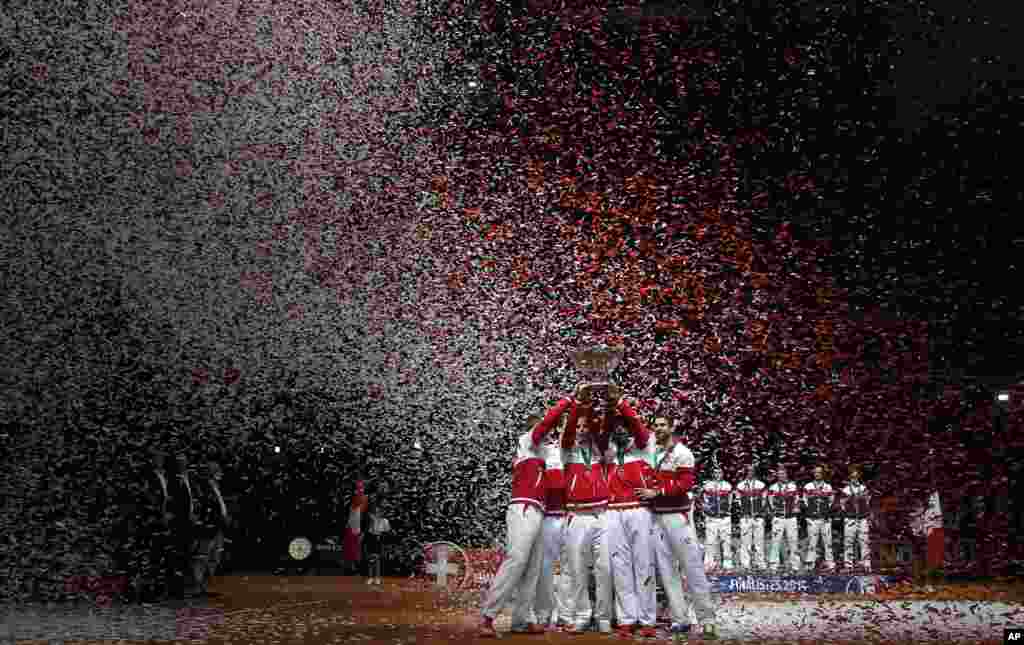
x=575, y=629
x=624, y=631
x=486, y=629
x=532, y=628
x=647, y=631
x=680, y=628
x=604, y=626
x=710, y=632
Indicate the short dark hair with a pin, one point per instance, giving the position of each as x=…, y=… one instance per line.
x=667, y=417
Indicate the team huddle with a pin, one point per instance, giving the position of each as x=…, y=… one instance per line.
x=613, y=497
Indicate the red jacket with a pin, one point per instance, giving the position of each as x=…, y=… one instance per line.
x=674, y=469
x=630, y=467
x=586, y=484
x=554, y=481
x=528, y=467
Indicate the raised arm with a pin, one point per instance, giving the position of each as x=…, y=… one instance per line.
x=641, y=434
x=569, y=434
x=550, y=419
x=582, y=394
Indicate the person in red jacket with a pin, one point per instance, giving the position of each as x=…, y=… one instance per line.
x=551, y=604
x=586, y=500
x=353, y=541
x=520, y=569
x=675, y=537
x=629, y=523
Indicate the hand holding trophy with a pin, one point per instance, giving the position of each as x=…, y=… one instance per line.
x=583, y=394
x=614, y=396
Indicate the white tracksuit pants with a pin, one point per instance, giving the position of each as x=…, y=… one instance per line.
x=586, y=547
x=718, y=530
x=632, y=558
x=819, y=529
x=854, y=531
x=520, y=569
x=752, y=540
x=784, y=527
x=680, y=538
x=671, y=579
x=551, y=603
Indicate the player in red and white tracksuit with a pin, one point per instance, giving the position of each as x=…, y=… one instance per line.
x=817, y=502
x=586, y=498
x=551, y=606
x=782, y=500
x=675, y=538
x=520, y=569
x=630, y=523
x=855, y=502
x=716, y=497
x=750, y=493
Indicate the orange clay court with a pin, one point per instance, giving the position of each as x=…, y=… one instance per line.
x=340, y=610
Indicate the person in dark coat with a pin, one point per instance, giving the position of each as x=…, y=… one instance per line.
x=153, y=528
x=213, y=521
x=183, y=521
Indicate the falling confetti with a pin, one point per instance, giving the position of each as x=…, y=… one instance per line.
x=381, y=230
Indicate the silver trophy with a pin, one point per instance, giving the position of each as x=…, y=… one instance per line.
x=595, y=367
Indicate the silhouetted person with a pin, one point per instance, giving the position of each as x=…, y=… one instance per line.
x=183, y=528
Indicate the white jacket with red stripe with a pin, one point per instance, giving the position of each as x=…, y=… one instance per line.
x=531, y=455
x=674, y=468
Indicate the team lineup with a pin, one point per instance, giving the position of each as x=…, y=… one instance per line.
x=611, y=500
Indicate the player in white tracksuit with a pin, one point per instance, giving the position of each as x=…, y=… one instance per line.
x=716, y=496
x=630, y=523
x=520, y=570
x=675, y=539
x=551, y=605
x=817, y=502
x=750, y=495
x=782, y=498
x=586, y=501
x=855, y=502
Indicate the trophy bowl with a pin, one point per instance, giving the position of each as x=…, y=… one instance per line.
x=595, y=367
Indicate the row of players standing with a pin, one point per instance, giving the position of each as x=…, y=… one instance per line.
x=178, y=519
x=753, y=502
x=613, y=495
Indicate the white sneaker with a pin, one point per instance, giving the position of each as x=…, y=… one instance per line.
x=604, y=626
